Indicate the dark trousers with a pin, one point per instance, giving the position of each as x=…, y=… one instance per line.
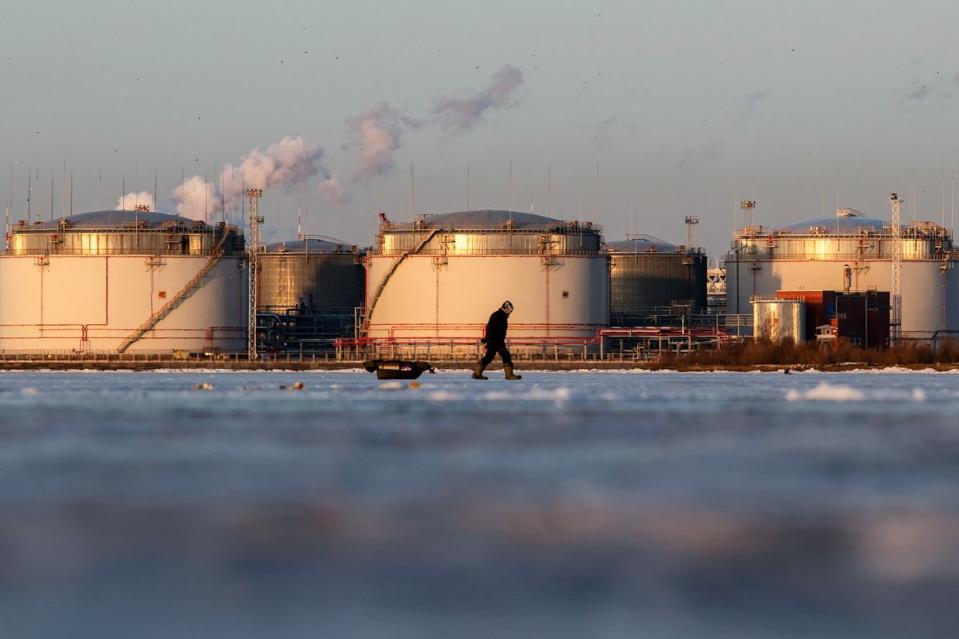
x=492, y=350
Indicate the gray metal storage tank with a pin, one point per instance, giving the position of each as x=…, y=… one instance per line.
x=779, y=319
x=649, y=275
x=319, y=281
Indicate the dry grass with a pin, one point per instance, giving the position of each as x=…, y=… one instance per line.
x=788, y=353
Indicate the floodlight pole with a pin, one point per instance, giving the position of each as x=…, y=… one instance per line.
x=253, y=249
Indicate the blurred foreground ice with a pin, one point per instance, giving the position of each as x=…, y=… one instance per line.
x=564, y=505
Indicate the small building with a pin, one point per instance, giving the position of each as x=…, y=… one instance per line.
x=862, y=317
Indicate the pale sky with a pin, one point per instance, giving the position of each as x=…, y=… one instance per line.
x=681, y=107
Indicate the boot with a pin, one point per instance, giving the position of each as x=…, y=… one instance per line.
x=478, y=371
x=508, y=369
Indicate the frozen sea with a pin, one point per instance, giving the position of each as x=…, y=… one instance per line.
x=578, y=504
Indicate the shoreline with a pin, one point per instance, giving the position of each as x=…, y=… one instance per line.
x=551, y=366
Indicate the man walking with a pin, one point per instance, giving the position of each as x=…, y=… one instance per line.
x=495, y=340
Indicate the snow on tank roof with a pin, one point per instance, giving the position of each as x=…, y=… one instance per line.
x=487, y=218
x=118, y=219
x=642, y=244
x=310, y=245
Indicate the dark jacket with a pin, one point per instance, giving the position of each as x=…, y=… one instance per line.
x=496, y=328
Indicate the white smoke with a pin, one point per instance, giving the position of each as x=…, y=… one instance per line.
x=463, y=112
x=196, y=198
x=132, y=200
x=381, y=128
x=380, y=132
x=331, y=189
x=292, y=161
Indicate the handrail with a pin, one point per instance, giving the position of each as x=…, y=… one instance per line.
x=832, y=256
x=119, y=229
x=147, y=252
x=479, y=252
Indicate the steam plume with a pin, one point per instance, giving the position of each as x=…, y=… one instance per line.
x=133, y=199
x=292, y=161
x=379, y=130
x=332, y=189
x=196, y=198
x=289, y=162
x=463, y=112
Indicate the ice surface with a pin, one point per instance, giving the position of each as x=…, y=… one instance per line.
x=563, y=505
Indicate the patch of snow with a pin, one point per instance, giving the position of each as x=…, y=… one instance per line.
x=826, y=393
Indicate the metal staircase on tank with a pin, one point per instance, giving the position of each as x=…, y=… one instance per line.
x=389, y=274
x=177, y=299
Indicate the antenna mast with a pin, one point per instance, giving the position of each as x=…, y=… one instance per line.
x=549, y=190
x=747, y=206
x=412, y=191
x=253, y=247
x=9, y=205
x=896, y=319
x=509, y=186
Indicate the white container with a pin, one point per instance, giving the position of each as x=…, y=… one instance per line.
x=89, y=284
x=446, y=274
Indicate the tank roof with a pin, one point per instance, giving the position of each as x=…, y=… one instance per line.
x=116, y=219
x=642, y=244
x=489, y=217
x=310, y=245
x=493, y=219
x=846, y=224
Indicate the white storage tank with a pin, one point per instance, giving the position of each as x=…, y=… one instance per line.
x=437, y=279
x=850, y=252
x=123, y=281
